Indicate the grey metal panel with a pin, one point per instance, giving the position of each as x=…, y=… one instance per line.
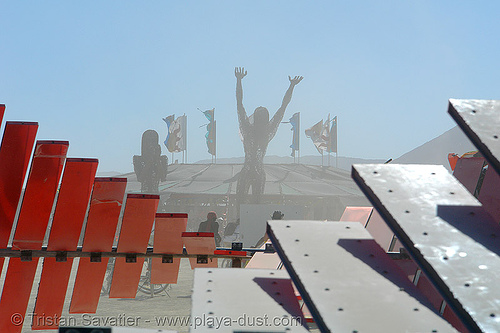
x=347, y=281
x=254, y=300
x=480, y=121
x=446, y=231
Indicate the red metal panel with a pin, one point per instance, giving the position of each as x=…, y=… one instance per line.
x=138, y=218
x=429, y=291
x=105, y=207
x=17, y=144
x=397, y=245
x=467, y=171
x=200, y=243
x=379, y=230
x=69, y=215
x=168, y=239
x=490, y=193
x=230, y=253
x=408, y=266
x=264, y=260
x=34, y=216
x=357, y=214
x=2, y=111
x=453, y=319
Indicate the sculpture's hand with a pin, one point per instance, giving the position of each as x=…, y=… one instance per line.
x=295, y=80
x=240, y=72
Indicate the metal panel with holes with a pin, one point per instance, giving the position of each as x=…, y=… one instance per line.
x=237, y=300
x=349, y=283
x=480, y=121
x=446, y=231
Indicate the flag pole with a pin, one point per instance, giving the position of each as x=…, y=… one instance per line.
x=337, y=143
x=298, y=140
x=215, y=138
x=185, y=134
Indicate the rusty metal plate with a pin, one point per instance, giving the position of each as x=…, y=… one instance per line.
x=348, y=282
x=446, y=231
x=244, y=300
x=480, y=121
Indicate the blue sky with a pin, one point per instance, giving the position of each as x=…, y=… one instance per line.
x=100, y=73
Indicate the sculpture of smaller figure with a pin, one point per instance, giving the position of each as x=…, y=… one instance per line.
x=150, y=167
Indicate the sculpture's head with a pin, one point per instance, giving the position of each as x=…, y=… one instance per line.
x=260, y=116
x=260, y=125
x=150, y=144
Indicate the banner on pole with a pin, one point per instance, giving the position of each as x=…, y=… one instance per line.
x=295, y=122
x=210, y=136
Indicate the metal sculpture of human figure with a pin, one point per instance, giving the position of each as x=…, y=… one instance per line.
x=150, y=167
x=256, y=137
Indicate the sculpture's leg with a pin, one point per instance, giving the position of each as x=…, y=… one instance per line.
x=242, y=188
x=258, y=185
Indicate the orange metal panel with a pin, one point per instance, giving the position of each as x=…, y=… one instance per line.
x=48, y=161
x=15, y=152
x=69, y=215
x=168, y=239
x=105, y=207
x=357, y=214
x=138, y=218
x=32, y=223
x=200, y=243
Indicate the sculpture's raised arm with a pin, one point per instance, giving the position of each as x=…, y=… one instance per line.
x=240, y=73
x=278, y=116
